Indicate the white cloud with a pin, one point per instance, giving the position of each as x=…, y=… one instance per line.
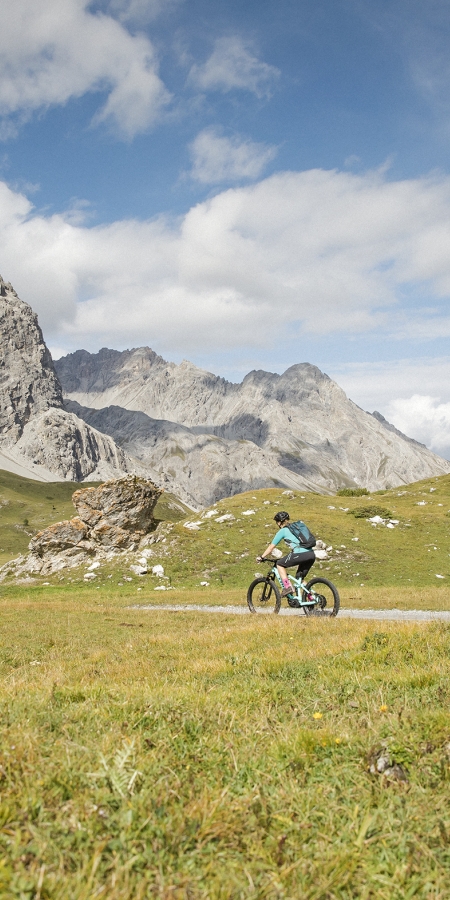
x=324, y=252
x=216, y=158
x=371, y=384
x=233, y=65
x=413, y=394
x=53, y=51
x=424, y=418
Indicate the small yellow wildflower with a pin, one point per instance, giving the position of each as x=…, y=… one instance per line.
x=383, y=708
x=317, y=715
x=337, y=740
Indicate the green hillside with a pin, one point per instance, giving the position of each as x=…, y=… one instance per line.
x=412, y=554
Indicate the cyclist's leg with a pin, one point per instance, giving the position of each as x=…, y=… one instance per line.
x=281, y=567
x=292, y=559
x=305, y=561
x=282, y=572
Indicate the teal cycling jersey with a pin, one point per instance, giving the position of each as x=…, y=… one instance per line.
x=285, y=534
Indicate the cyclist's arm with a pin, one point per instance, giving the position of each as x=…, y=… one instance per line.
x=266, y=553
x=276, y=540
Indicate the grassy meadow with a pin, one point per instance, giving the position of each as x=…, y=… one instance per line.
x=189, y=756
x=193, y=756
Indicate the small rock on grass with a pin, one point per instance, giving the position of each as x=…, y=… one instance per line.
x=382, y=764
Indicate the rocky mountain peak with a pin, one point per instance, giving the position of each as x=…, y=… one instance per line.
x=37, y=436
x=28, y=382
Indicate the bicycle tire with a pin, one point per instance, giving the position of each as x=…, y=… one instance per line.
x=330, y=596
x=262, y=595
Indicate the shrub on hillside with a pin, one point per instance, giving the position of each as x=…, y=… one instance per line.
x=352, y=492
x=367, y=512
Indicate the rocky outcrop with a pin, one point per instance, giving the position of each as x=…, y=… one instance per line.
x=114, y=517
x=28, y=381
x=118, y=513
x=37, y=436
x=212, y=438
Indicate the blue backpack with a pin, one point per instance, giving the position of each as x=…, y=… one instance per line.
x=302, y=532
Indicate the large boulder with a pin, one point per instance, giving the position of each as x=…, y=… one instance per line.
x=125, y=503
x=60, y=537
x=112, y=517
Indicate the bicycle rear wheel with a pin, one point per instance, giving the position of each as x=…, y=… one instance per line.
x=328, y=595
x=263, y=596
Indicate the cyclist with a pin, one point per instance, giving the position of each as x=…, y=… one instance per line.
x=298, y=555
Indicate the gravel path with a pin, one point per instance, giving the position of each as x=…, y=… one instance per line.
x=393, y=615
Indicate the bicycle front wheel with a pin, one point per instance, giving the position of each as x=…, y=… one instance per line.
x=263, y=596
x=328, y=598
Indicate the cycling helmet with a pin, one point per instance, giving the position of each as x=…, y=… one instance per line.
x=281, y=517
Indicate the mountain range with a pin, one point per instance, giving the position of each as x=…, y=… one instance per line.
x=90, y=416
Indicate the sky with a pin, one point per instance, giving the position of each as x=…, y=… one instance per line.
x=247, y=185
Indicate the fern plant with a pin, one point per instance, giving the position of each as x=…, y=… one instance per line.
x=120, y=772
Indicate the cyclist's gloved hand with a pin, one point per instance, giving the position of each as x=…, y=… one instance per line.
x=259, y=559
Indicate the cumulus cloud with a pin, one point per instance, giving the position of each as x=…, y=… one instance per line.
x=370, y=383
x=413, y=394
x=426, y=419
x=317, y=251
x=216, y=158
x=53, y=51
x=233, y=66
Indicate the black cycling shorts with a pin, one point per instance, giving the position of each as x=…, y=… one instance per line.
x=304, y=561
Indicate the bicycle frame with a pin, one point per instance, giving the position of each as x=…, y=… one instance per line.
x=300, y=590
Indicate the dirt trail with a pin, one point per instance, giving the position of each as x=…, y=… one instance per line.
x=393, y=615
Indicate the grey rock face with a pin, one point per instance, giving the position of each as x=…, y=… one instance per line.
x=199, y=468
x=28, y=381
x=68, y=447
x=37, y=436
x=212, y=438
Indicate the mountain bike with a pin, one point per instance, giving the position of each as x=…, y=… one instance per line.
x=317, y=597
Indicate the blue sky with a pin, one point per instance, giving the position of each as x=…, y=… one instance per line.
x=246, y=185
